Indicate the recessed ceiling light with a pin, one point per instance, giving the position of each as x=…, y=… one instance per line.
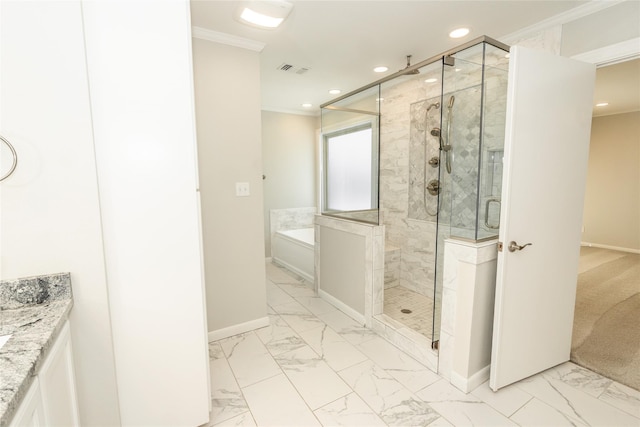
x=431, y=80
x=334, y=91
x=602, y=104
x=459, y=32
x=307, y=105
x=381, y=69
x=265, y=14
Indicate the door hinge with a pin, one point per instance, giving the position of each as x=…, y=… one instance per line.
x=500, y=246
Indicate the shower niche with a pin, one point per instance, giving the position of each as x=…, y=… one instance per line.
x=438, y=141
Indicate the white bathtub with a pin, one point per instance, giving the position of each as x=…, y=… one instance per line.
x=294, y=250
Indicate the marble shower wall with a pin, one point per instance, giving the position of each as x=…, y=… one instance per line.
x=409, y=212
x=403, y=128
x=477, y=137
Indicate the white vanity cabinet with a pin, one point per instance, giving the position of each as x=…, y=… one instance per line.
x=30, y=413
x=51, y=399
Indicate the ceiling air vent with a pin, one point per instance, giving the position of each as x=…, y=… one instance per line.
x=292, y=68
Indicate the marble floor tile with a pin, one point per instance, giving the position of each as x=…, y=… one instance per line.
x=332, y=348
x=538, y=414
x=471, y=414
x=278, y=337
x=298, y=289
x=301, y=322
x=275, y=402
x=441, y=422
x=396, y=405
x=316, y=382
x=276, y=296
x=443, y=391
x=623, y=397
x=215, y=351
x=227, y=400
x=347, y=327
x=314, y=365
x=349, y=410
x=279, y=274
x=249, y=359
x=315, y=304
x=298, y=317
x=507, y=400
x=408, y=371
x=225, y=408
x=244, y=420
x=575, y=403
x=579, y=377
x=291, y=307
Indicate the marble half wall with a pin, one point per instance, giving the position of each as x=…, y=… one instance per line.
x=349, y=265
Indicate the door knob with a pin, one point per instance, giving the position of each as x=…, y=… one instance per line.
x=513, y=246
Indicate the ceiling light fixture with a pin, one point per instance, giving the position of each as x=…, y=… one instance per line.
x=267, y=14
x=307, y=105
x=602, y=104
x=334, y=91
x=381, y=69
x=458, y=33
x=431, y=80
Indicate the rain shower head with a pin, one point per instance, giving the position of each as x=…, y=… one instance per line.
x=416, y=71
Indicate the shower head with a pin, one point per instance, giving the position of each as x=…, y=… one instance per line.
x=416, y=71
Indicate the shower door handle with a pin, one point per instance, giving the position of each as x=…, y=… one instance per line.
x=486, y=214
x=513, y=246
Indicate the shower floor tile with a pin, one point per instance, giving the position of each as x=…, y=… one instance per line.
x=400, y=298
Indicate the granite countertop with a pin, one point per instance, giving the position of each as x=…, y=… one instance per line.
x=33, y=310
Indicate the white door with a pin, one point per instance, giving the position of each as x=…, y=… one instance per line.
x=549, y=108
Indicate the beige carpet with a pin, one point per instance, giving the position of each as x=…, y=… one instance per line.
x=606, y=328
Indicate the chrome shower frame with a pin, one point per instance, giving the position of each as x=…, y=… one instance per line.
x=440, y=57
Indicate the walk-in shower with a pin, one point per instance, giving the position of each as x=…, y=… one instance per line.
x=436, y=150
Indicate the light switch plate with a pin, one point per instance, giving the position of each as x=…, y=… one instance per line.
x=242, y=189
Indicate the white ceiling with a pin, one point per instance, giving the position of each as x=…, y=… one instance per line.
x=340, y=42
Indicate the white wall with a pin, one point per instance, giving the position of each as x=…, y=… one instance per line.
x=617, y=23
x=140, y=80
x=50, y=218
x=289, y=163
x=227, y=87
x=612, y=199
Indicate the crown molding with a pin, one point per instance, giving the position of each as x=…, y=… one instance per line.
x=561, y=18
x=613, y=54
x=311, y=113
x=228, y=39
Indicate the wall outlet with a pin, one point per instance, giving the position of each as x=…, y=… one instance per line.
x=242, y=189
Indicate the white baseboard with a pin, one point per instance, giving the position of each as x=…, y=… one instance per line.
x=469, y=384
x=238, y=329
x=342, y=307
x=613, y=248
x=305, y=275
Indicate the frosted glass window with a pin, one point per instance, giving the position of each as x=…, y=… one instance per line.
x=349, y=170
